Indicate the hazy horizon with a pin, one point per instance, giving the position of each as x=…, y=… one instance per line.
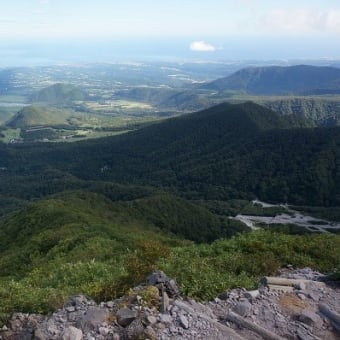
x=37, y=32
x=80, y=51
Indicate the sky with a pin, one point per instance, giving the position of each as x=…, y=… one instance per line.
x=298, y=28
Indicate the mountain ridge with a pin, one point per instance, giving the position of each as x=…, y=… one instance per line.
x=281, y=80
x=96, y=217
x=38, y=115
x=228, y=151
x=58, y=94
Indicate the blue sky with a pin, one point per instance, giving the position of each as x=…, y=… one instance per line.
x=135, y=18
x=206, y=26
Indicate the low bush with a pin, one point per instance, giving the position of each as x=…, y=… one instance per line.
x=203, y=271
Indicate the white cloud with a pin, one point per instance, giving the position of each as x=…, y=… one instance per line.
x=202, y=46
x=302, y=21
x=332, y=21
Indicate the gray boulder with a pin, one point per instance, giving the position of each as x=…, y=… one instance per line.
x=163, y=283
x=125, y=316
x=165, y=319
x=135, y=330
x=150, y=333
x=39, y=334
x=93, y=318
x=243, y=308
x=184, y=322
x=310, y=318
x=72, y=333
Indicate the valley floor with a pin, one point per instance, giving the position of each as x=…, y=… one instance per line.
x=292, y=217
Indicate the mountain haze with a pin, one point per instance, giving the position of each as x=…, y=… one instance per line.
x=317, y=110
x=278, y=80
x=32, y=116
x=59, y=94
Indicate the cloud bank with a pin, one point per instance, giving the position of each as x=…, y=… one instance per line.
x=202, y=46
x=302, y=21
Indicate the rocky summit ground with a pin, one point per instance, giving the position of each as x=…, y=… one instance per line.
x=298, y=304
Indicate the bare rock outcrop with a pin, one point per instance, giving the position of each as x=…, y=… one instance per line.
x=298, y=304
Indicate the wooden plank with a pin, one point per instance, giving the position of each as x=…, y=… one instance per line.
x=264, y=333
x=333, y=316
x=281, y=281
x=226, y=331
x=286, y=289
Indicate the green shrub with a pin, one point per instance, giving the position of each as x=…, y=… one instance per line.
x=203, y=271
x=138, y=264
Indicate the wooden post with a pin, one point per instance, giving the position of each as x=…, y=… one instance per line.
x=226, y=331
x=281, y=281
x=285, y=289
x=331, y=315
x=264, y=333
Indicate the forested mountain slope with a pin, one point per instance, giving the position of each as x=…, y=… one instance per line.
x=224, y=152
x=59, y=94
x=33, y=116
x=96, y=217
x=278, y=80
x=320, y=111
